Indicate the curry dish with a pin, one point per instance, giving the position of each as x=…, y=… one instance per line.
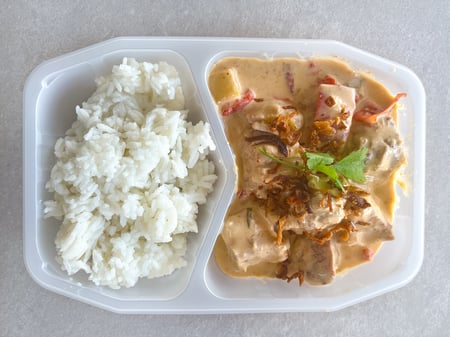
x=317, y=150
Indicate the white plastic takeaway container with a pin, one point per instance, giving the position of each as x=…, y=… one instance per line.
x=55, y=87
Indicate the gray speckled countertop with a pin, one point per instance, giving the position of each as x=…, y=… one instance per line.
x=413, y=33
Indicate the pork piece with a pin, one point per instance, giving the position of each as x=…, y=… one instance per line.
x=334, y=99
x=371, y=224
x=316, y=262
x=255, y=169
x=318, y=217
x=275, y=126
x=333, y=115
x=277, y=116
x=251, y=239
x=314, y=255
x=363, y=213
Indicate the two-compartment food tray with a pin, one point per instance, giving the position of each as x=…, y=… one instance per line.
x=54, y=89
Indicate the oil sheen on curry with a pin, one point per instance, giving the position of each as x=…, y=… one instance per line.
x=316, y=150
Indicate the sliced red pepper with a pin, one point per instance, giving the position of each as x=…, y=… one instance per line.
x=328, y=80
x=285, y=99
x=289, y=76
x=369, y=113
x=238, y=103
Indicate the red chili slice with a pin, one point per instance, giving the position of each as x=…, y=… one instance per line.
x=328, y=80
x=368, y=114
x=238, y=103
x=289, y=76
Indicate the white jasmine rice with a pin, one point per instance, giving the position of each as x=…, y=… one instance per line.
x=129, y=176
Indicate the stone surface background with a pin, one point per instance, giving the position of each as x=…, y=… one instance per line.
x=413, y=33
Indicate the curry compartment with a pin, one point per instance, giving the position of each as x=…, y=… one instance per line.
x=300, y=130
x=54, y=89
x=248, y=260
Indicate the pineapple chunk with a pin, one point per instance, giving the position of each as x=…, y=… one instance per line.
x=224, y=85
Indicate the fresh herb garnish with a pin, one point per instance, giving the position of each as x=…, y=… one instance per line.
x=317, y=158
x=281, y=161
x=350, y=167
x=326, y=169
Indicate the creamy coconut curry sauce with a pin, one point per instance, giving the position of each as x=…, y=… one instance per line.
x=317, y=149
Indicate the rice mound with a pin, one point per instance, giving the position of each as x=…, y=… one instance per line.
x=129, y=176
